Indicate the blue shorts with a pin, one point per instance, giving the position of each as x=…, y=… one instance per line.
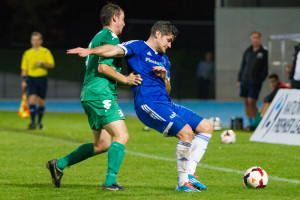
x=167, y=118
x=37, y=86
x=251, y=90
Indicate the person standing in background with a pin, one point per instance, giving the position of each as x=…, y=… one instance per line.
x=206, y=77
x=253, y=72
x=34, y=69
x=295, y=71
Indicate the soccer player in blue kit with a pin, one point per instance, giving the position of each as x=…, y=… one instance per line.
x=153, y=104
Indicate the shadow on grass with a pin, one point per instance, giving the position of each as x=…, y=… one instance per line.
x=86, y=186
x=40, y=133
x=49, y=185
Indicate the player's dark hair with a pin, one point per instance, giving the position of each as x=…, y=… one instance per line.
x=165, y=27
x=108, y=11
x=256, y=32
x=274, y=76
x=37, y=34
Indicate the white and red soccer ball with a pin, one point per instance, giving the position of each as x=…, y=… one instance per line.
x=255, y=177
x=228, y=136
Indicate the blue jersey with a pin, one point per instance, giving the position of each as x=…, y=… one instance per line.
x=142, y=58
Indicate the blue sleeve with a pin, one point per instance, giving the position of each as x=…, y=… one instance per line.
x=131, y=47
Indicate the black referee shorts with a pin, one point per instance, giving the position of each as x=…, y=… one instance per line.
x=250, y=90
x=37, y=86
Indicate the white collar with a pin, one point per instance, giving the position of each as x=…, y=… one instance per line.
x=151, y=48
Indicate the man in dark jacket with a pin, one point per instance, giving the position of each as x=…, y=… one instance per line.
x=295, y=73
x=253, y=72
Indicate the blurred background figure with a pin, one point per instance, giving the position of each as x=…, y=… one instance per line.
x=206, y=77
x=34, y=69
x=295, y=71
x=253, y=72
x=275, y=84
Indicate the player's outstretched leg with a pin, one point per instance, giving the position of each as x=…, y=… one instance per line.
x=183, y=152
x=199, y=145
x=55, y=172
x=118, y=131
x=84, y=151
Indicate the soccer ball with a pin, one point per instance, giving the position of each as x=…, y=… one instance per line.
x=255, y=177
x=228, y=137
x=146, y=128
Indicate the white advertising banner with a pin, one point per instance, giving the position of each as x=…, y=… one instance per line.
x=281, y=123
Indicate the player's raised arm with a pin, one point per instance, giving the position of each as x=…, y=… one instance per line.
x=101, y=51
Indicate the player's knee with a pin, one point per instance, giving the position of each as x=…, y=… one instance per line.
x=101, y=147
x=186, y=135
x=41, y=103
x=122, y=138
x=125, y=138
x=208, y=128
x=189, y=135
x=205, y=127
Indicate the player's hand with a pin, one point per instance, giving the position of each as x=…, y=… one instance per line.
x=82, y=52
x=238, y=84
x=38, y=64
x=160, y=72
x=133, y=79
x=23, y=86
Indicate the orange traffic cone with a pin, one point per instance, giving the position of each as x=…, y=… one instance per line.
x=24, y=110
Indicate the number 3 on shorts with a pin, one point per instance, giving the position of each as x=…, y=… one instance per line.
x=120, y=113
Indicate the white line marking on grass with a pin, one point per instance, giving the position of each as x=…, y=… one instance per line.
x=161, y=158
x=210, y=166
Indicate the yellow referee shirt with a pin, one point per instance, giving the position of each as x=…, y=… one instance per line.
x=30, y=57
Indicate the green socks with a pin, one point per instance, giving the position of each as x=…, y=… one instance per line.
x=257, y=120
x=81, y=153
x=115, y=157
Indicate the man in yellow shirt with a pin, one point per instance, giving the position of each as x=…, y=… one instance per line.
x=34, y=69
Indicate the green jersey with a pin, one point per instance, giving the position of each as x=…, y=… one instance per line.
x=97, y=86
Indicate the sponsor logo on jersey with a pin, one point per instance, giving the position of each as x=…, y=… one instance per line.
x=165, y=61
x=152, y=61
x=149, y=53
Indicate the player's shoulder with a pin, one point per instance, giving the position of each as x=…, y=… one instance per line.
x=133, y=42
x=44, y=49
x=264, y=49
x=106, y=35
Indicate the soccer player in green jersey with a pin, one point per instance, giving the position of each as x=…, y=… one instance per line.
x=98, y=98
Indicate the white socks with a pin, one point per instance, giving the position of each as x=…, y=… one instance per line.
x=183, y=153
x=199, y=145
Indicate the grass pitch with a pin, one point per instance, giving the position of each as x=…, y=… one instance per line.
x=148, y=170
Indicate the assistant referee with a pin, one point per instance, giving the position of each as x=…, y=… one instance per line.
x=34, y=70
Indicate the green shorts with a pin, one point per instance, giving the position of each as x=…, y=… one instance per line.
x=102, y=112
